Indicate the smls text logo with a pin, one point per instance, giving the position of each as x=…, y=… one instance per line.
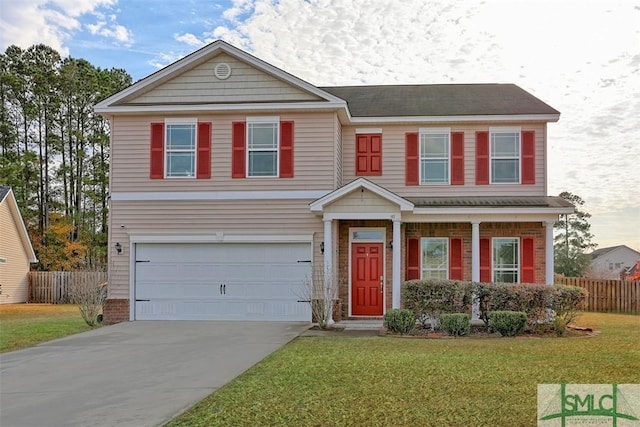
x=565, y=405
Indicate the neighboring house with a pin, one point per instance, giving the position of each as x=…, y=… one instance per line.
x=231, y=179
x=16, y=252
x=611, y=262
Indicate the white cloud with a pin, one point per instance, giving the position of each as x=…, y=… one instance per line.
x=189, y=39
x=109, y=28
x=52, y=22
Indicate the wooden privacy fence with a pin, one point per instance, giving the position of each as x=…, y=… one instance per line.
x=53, y=286
x=619, y=296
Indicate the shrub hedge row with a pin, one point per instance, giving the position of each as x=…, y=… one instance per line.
x=428, y=299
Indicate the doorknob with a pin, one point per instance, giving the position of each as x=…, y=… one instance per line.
x=381, y=284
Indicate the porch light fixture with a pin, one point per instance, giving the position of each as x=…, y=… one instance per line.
x=321, y=247
x=118, y=248
x=390, y=244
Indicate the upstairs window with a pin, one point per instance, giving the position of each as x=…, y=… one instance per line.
x=180, y=150
x=434, y=156
x=262, y=148
x=505, y=156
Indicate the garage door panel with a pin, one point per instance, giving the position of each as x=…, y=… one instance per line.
x=261, y=281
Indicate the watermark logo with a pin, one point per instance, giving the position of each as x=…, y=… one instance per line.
x=610, y=405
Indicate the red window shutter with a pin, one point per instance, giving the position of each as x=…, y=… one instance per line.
x=156, y=169
x=528, y=255
x=412, y=169
x=482, y=158
x=286, y=149
x=528, y=157
x=375, y=155
x=362, y=154
x=455, y=258
x=203, y=165
x=457, y=158
x=485, y=260
x=369, y=154
x=238, y=156
x=413, y=258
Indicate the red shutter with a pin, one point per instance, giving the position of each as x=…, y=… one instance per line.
x=455, y=258
x=203, y=165
x=413, y=258
x=528, y=255
x=457, y=158
x=362, y=154
x=238, y=157
x=286, y=149
x=412, y=171
x=482, y=158
x=528, y=157
x=369, y=154
x=156, y=167
x=485, y=260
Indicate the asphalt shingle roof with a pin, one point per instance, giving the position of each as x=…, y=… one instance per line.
x=4, y=190
x=439, y=100
x=469, y=202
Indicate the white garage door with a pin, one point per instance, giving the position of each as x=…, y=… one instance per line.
x=222, y=281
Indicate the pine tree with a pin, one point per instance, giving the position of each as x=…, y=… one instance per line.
x=572, y=240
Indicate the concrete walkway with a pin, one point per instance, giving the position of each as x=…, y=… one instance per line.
x=131, y=374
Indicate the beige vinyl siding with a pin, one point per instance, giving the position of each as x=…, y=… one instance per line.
x=13, y=272
x=393, y=163
x=362, y=201
x=314, y=140
x=246, y=84
x=200, y=218
x=338, y=152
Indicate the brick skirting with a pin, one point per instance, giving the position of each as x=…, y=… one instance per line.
x=116, y=311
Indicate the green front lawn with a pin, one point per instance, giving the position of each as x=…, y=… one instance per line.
x=24, y=325
x=384, y=381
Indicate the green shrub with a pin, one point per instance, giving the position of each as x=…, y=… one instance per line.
x=508, y=323
x=399, y=320
x=565, y=302
x=430, y=298
x=533, y=299
x=456, y=324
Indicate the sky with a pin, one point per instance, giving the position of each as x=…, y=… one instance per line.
x=582, y=57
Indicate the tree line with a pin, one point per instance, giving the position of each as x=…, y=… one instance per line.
x=54, y=152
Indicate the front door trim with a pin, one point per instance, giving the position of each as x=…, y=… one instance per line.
x=381, y=238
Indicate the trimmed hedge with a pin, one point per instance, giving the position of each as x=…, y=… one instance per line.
x=428, y=299
x=456, y=324
x=508, y=323
x=400, y=321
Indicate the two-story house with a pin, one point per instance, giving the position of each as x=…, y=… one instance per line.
x=231, y=179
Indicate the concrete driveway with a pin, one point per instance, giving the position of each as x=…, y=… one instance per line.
x=130, y=374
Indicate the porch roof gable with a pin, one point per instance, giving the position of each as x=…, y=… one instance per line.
x=319, y=205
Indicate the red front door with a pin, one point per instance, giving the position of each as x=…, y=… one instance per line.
x=367, y=291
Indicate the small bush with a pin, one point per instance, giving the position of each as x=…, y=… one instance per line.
x=400, y=321
x=430, y=298
x=456, y=324
x=508, y=323
x=90, y=298
x=565, y=302
x=533, y=299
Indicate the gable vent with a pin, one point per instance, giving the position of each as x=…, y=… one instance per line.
x=222, y=71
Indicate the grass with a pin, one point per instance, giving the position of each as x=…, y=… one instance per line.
x=25, y=325
x=383, y=381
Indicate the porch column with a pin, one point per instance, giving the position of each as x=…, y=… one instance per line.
x=548, y=253
x=475, y=251
x=329, y=279
x=397, y=250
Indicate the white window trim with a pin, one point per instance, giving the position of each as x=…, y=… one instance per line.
x=181, y=121
x=366, y=131
x=268, y=120
x=435, y=131
x=518, y=260
x=505, y=129
x=445, y=239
